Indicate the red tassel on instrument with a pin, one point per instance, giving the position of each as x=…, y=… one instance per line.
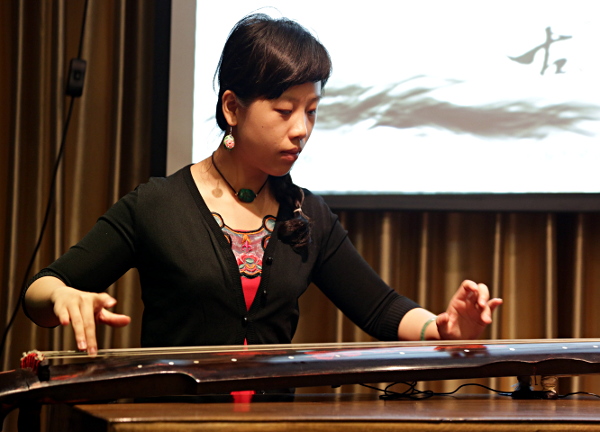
x=31, y=360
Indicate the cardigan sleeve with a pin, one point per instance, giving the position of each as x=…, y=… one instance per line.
x=103, y=255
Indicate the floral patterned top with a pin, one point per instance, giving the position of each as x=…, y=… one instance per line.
x=249, y=248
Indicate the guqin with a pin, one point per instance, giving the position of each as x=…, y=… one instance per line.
x=68, y=377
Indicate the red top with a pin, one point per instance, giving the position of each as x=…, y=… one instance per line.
x=248, y=248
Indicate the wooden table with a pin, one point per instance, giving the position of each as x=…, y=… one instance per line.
x=347, y=413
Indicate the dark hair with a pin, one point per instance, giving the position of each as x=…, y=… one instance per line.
x=296, y=230
x=262, y=58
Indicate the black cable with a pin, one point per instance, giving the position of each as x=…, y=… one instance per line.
x=413, y=393
x=578, y=393
x=82, y=34
x=50, y=197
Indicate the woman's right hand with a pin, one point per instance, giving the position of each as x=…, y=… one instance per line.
x=50, y=302
x=83, y=310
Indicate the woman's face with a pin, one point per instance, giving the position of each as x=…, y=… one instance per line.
x=271, y=133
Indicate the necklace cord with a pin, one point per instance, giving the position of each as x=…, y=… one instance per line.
x=212, y=157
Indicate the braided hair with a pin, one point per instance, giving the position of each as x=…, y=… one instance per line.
x=296, y=230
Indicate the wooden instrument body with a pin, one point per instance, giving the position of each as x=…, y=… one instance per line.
x=116, y=374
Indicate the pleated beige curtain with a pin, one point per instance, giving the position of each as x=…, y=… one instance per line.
x=107, y=152
x=544, y=265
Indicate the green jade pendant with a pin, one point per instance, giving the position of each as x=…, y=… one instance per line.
x=246, y=195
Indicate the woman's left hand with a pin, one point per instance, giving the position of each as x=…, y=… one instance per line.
x=469, y=312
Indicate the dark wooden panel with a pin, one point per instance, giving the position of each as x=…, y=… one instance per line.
x=350, y=413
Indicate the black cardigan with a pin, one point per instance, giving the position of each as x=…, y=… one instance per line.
x=191, y=285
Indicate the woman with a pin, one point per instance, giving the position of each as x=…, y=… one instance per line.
x=180, y=231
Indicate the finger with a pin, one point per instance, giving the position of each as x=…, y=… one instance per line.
x=477, y=292
x=486, y=315
x=62, y=313
x=484, y=294
x=442, y=319
x=470, y=291
x=494, y=303
x=78, y=327
x=469, y=285
x=89, y=326
x=112, y=319
x=104, y=300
